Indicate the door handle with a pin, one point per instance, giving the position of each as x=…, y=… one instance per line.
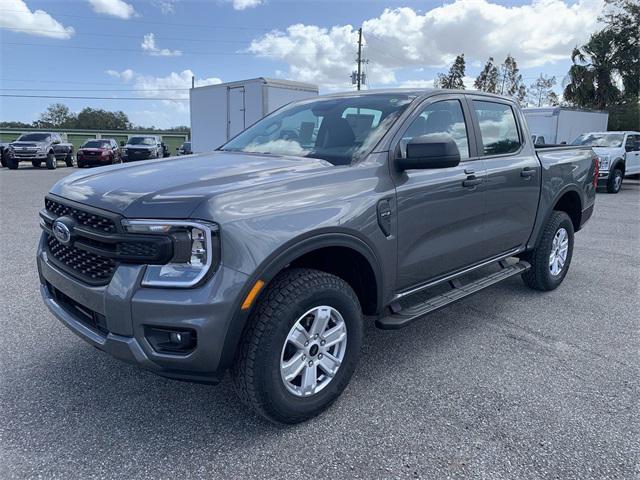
x=471, y=181
x=527, y=172
x=469, y=171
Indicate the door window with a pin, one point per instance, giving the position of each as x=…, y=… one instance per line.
x=498, y=127
x=442, y=118
x=631, y=145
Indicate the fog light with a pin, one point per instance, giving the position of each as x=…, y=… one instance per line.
x=171, y=340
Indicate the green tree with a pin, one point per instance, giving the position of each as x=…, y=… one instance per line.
x=622, y=20
x=455, y=78
x=541, y=92
x=590, y=82
x=98, y=119
x=487, y=79
x=56, y=115
x=511, y=80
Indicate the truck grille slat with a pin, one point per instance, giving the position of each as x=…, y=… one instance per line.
x=87, y=219
x=89, y=266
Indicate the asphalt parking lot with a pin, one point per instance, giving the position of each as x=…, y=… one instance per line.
x=509, y=383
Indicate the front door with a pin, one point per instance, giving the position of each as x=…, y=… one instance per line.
x=440, y=212
x=632, y=155
x=512, y=186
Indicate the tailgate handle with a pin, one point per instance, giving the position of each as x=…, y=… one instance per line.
x=527, y=172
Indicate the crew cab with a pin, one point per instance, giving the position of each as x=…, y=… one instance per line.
x=142, y=147
x=184, y=149
x=38, y=147
x=619, y=154
x=266, y=257
x=101, y=151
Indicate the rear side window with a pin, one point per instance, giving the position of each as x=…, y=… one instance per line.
x=498, y=127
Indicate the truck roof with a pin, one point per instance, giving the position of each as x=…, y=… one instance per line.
x=415, y=92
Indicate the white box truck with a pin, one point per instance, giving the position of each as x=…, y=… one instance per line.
x=562, y=124
x=219, y=112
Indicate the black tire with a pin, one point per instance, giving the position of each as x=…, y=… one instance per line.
x=615, y=180
x=3, y=159
x=36, y=163
x=539, y=276
x=256, y=370
x=52, y=162
x=69, y=159
x=12, y=163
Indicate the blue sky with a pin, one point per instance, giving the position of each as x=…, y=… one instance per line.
x=150, y=48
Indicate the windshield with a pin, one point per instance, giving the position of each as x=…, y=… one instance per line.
x=186, y=146
x=96, y=144
x=339, y=130
x=142, y=141
x=33, y=137
x=610, y=140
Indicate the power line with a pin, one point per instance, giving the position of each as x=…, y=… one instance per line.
x=93, y=89
x=149, y=22
x=76, y=47
x=93, y=98
x=162, y=37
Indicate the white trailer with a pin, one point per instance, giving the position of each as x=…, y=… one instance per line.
x=220, y=112
x=562, y=124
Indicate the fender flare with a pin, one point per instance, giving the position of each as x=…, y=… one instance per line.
x=616, y=162
x=547, y=215
x=279, y=260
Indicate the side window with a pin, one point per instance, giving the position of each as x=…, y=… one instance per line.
x=498, y=127
x=632, y=142
x=444, y=117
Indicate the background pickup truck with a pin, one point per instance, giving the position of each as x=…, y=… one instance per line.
x=37, y=148
x=266, y=257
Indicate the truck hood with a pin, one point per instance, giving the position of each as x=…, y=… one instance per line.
x=173, y=188
x=29, y=144
x=608, y=150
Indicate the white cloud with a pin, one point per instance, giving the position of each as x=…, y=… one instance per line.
x=244, y=4
x=166, y=6
x=171, y=90
x=19, y=18
x=541, y=32
x=115, y=8
x=125, y=75
x=149, y=45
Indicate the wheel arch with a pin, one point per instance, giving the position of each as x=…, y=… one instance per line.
x=311, y=252
x=618, y=163
x=570, y=203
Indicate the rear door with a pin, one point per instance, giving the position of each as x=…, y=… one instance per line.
x=513, y=174
x=236, y=111
x=440, y=212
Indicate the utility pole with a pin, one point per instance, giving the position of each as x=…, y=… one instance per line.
x=359, y=77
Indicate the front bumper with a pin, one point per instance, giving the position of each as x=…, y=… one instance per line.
x=93, y=159
x=125, y=308
x=26, y=156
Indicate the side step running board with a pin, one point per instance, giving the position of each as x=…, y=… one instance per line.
x=458, y=292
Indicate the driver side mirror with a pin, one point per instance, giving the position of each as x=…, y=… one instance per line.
x=430, y=151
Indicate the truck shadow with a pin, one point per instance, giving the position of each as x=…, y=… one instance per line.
x=82, y=393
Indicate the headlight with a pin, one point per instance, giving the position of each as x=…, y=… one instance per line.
x=604, y=162
x=196, y=251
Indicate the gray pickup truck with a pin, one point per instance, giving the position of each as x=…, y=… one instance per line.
x=267, y=257
x=38, y=147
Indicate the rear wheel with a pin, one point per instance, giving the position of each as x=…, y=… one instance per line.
x=551, y=258
x=52, y=163
x=36, y=163
x=615, y=181
x=301, y=346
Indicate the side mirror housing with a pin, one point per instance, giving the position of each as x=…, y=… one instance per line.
x=430, y=151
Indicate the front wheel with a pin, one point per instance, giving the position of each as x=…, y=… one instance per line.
x=52, y=163
x=69, y=159
x=551, y=258
x=301, y=346
x=614, y=183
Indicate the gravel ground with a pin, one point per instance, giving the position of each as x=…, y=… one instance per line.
x=507, y=384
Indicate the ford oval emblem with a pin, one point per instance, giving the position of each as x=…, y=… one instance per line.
x=61, y=232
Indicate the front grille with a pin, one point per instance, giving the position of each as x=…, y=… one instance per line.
x=87, y=219
x=88, y=266
x=138, y=249
x=84, y=315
